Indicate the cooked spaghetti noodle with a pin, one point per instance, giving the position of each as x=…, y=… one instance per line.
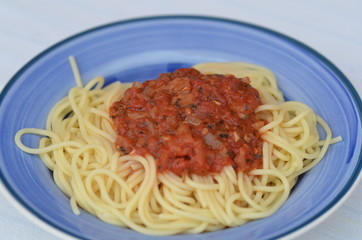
x=78, y=146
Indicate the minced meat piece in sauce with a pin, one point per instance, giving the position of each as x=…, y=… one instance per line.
x=191, y=122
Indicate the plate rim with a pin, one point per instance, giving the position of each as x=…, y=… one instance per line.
x=338, y=200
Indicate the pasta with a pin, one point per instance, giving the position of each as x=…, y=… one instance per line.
x=126, y=190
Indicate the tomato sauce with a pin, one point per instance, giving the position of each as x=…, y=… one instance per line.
x=190, y=122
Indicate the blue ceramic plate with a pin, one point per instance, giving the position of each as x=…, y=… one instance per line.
x=140, y=49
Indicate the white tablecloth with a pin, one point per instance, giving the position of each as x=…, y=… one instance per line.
x=332, y=27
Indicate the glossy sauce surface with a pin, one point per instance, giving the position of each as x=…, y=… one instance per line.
x=191, y=122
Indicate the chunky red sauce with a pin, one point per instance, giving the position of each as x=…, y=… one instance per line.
x=191, y=122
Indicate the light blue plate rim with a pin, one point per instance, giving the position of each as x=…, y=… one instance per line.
x=351, y=90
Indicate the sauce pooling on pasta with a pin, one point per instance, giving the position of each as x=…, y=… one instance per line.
x=191, y=122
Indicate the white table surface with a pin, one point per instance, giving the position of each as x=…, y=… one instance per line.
x=333, y=28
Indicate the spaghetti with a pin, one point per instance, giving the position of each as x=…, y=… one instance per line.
x=78, y=146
